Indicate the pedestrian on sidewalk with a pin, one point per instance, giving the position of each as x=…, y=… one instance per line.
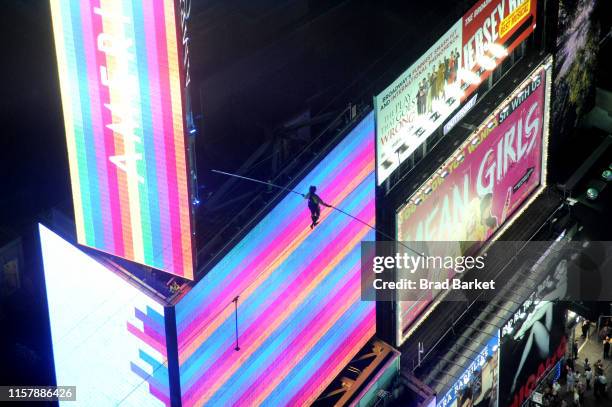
x=570, y=363
x=570, y=380
x=606, y=348
x=587, y=365
x=575, y=349
x=603, y=332
x=588, y=376
x=581, y=390
x=598, y=367
x=600, y=386
x=585, y=328
x=576, y=398
x=555, y=388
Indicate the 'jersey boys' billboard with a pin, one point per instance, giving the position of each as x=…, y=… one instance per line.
x=121, y=79
x=424, y=96
x=491, y=30
x=483, y=184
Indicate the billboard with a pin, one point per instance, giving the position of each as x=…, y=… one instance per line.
x=479, y=189
x=298, y=317
x=477, y=384
x=121, y=87
x=416, y=103
x=491, y=30
x=108, y=337
x=410, y=109
x=532, y=343
x=533, y=339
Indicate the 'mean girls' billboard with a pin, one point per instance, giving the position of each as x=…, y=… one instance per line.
x=122, y=79
x=479, y=189
x=411, y=108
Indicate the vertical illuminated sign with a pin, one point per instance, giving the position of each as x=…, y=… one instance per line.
x=121, y=82
x=530, y=349
x=485, y=183
x=299, y=309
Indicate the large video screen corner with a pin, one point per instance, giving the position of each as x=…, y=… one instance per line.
x=108, y=337
x=287, y=295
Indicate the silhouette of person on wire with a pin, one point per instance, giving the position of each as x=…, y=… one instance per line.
x=314, y=204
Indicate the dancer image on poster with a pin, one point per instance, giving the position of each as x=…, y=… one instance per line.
x=432, y=87
x=456, y=65
x=422, y=96
x=538, y=331
x=419, y=99
x=452, y=69
x=446, y=69
x=434, y=83
x=427, y=94
x=440, y=80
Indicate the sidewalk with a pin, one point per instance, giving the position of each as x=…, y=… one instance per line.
x=593, y=350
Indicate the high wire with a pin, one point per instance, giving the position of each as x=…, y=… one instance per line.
x=331, y=206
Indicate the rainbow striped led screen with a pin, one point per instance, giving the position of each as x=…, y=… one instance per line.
x=120, y=79
x=300, y=317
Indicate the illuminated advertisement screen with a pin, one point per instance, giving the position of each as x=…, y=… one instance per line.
x=415, y=104
x=108, y=337
x=299, y=316
x=491, y=30
x=121, y=88
x=531, y=346
x=477, y=385
x=533, y=339
x=476, y=192
x=410, y=109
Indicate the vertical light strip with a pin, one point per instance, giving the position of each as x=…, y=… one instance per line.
x=63, y=73
x=178, y=120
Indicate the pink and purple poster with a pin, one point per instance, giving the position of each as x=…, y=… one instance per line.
x=482, y=185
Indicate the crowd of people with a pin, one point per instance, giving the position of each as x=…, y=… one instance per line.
x=579, y=381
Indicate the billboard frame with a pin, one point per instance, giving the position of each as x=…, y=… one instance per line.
x=401, y=334
x=488, y=32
